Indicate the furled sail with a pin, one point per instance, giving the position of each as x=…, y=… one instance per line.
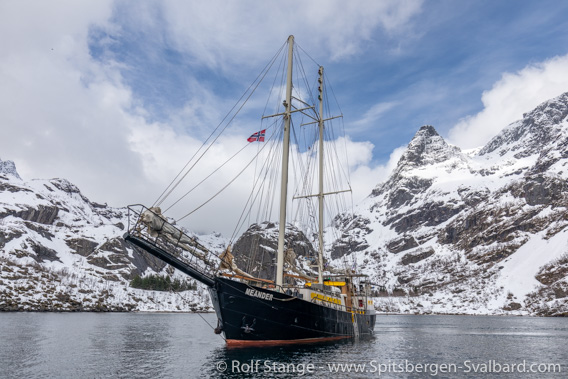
x=228, y=263
x=158, y=226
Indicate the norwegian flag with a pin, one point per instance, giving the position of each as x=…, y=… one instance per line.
x=258, y=136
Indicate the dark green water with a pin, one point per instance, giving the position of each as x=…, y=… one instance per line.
x=143, y=345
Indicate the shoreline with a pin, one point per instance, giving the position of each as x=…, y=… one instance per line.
x=208, y=312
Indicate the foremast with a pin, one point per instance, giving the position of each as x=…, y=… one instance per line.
x=285, y=158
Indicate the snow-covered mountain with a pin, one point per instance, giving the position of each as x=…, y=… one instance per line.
x=483, y=231
x=478, y=232
x=60, y=251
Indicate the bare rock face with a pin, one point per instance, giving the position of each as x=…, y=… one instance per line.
x=543, y=190
x=43, y=214
x=255, y=251
x=416, y=256
x=354, y=230
x=43, y=253
x=343, y=247
x=82, y=246
x=403, y=243
x=429, y=214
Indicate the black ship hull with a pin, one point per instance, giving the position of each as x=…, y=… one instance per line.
x=250, y=315
x=255, y=316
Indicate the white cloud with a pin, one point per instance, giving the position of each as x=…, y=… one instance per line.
x=364, y=173
x=513, y=95
x=161, y=147
x=62, y=114
x=367, y=176
x=42, y=26
x=164, y=153
x=65, y=114
x=219, y=32
x=372, y=115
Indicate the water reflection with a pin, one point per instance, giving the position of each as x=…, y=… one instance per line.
x=267, y=361
x=462, y=341
x=36, y=345
x=20, y=345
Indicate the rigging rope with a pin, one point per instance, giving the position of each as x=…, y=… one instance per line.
x=207, y=177
x=222, y=189
x=262, y=74
x=303, y=158
x=266, y=168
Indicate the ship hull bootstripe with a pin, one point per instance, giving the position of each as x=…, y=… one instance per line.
x=253, y=343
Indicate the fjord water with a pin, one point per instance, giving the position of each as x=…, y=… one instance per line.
x=151, y=345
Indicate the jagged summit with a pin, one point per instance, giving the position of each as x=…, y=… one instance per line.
x=427, y=147
x=9, y=168
x=542, y=126
x=427, y=130
x=426, y=155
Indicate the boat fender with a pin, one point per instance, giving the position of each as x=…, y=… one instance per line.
x=219, y=328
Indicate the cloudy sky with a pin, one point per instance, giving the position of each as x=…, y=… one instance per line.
x=116, y=95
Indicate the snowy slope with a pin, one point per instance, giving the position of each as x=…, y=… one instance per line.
x=477, y=232
x=470, y=232
x=60, y=251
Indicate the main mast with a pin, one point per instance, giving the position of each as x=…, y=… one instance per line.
x=320, y=192
x=285, y=155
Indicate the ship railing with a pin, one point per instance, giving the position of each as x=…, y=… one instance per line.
x=327, y=303
x=295, y=290
x=361, y=311
x=174, y=242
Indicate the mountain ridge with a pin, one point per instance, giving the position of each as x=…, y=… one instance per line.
x=455, y=225
x=59, y=251
x=451, y=232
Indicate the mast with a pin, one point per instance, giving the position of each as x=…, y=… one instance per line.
x=285, y=155
x=320, y=193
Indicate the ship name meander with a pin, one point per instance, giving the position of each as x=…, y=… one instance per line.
x=260, y=295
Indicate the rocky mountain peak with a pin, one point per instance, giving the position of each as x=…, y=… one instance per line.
x=537, y=129
x=427, y=130
x=427, y=147
x=9, y=168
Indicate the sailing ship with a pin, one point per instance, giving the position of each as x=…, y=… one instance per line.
x=290, y=308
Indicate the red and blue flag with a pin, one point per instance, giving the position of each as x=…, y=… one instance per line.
x=258, y=136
